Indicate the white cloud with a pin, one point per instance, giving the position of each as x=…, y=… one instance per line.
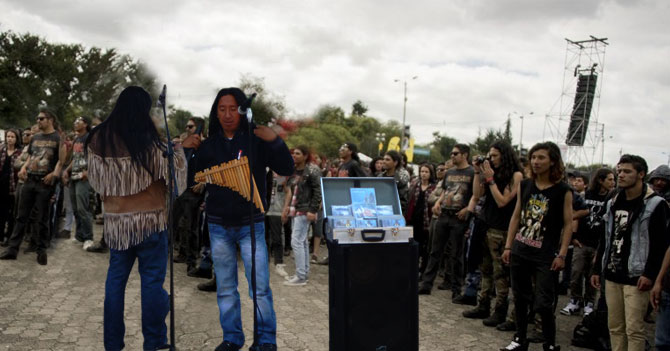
x=476, y=61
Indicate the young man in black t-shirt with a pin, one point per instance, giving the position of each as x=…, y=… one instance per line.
x=630, y=256
x=452, y=208
x=537, y=241
x=40, y=172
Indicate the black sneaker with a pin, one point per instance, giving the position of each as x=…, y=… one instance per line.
x=8, y=254
x=97, y=247
x=477, y=313
x=424, y=290
x=208, y=286
x=42, y=258
x=547, y=347
x=228, y=346
x=263, y=347
x=444, y=286
x=506, y=326
x=496, y=318
x=196, y=272
x=516, y=345
x=465, y=300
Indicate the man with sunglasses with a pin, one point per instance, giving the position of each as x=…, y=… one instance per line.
x=40, y=172
x=452, y=209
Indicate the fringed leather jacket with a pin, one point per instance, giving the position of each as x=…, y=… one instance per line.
x=135, y=202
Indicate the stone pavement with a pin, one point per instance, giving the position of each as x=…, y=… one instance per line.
x=60, y=306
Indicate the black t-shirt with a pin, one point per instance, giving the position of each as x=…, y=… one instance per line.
x=494, y=216
x=540, y=222
x=351, y=168
x=419, y=208
x=625, y=213
x=457, y=187
x=592, y=227
x=43, y=152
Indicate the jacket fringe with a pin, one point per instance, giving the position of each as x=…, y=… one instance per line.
x=120, y=176
x=125, y=230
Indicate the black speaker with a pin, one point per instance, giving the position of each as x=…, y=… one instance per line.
x=373, y=297
x=581, y=110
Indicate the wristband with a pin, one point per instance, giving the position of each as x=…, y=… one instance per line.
x=508, y=249
x=490, y=180
x=561, y=257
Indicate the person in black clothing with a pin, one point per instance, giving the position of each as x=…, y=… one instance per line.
x=351, y=164
x=43, y=167
x=631, y=253
x=537, y=241
x=452, y=207
x=229, y=218
x=418, y=212
x=499, y=174
x=10, y=151
x=585, y=241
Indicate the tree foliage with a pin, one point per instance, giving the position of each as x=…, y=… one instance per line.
x=69, y=79
x=267, y=107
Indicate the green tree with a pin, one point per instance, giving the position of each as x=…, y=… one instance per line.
x=358, y=108
x=442, y=146
x=67, y=78
x=267, y=106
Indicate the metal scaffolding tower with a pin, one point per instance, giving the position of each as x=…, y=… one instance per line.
x=573, y=122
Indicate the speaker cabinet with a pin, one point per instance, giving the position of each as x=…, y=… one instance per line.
x=373, y=296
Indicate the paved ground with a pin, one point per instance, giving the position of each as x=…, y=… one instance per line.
x=59, y=307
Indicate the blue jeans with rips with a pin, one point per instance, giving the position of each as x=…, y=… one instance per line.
x=663, y=323
x=224, y=255
x=151, y=255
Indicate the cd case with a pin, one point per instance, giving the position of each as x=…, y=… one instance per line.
x=343, y=221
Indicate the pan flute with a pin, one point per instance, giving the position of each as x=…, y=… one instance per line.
x=233, y=175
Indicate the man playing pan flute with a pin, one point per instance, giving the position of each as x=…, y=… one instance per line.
x=229, y=215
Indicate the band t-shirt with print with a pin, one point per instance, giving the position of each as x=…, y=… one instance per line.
x=43, y=152
x=457, y=187
x=592, y=227
x=79, y=164
x=540, y=222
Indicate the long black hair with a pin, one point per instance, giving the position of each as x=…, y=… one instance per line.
x=240, y=98
x=509, y=163
x=557, y=170
x=129, y=123
x=600, y=175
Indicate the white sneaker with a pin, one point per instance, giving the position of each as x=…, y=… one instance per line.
x=295, y=281
x=588, y=309
x=87, y=244
x=279, y=269
x=571, y=308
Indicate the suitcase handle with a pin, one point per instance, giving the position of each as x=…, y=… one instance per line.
x=373, y=234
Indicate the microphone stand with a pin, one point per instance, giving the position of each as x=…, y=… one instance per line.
x=252, y=228
x=172, y=190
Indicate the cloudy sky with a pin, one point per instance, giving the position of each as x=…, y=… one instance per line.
x=476, y=61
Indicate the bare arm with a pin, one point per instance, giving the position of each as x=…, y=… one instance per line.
x=502, y=199
x=566, y=237
x=513, y=226
x=655, y=296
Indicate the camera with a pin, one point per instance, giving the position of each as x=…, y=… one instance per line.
x=480, y=159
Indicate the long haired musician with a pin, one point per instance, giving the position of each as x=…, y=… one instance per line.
x=128, y=168
x=229, y=218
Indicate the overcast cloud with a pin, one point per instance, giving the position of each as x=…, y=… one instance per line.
x=476, y=61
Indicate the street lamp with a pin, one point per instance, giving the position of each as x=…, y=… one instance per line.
x=521, y=133
x=380, y=137
x=404, y=110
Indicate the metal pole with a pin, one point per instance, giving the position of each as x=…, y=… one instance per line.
x=602, y=152
x=404, y=111
x=521, y=136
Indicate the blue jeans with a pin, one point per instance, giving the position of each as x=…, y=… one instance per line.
x=152, y=257
x=224, y=254
x=663, y=323
x=300, y=246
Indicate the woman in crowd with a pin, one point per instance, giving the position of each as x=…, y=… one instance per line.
x=9, y=152
x=376, y=166
x=419, y=212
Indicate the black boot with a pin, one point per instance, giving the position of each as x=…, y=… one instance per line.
x=209, y=285
x=480, y=312
x=498, y=316
x=547, y=347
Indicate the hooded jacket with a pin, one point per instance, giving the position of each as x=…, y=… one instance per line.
x=223, y=205
x=662, y=172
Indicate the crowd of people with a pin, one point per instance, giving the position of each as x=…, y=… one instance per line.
x=497, y=230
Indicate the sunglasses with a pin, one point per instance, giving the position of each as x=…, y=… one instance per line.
x=189, y=126
x=41, y=118
x=455, y=153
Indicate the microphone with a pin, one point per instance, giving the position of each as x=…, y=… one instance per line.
x=161, y=97
x=244, y=108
